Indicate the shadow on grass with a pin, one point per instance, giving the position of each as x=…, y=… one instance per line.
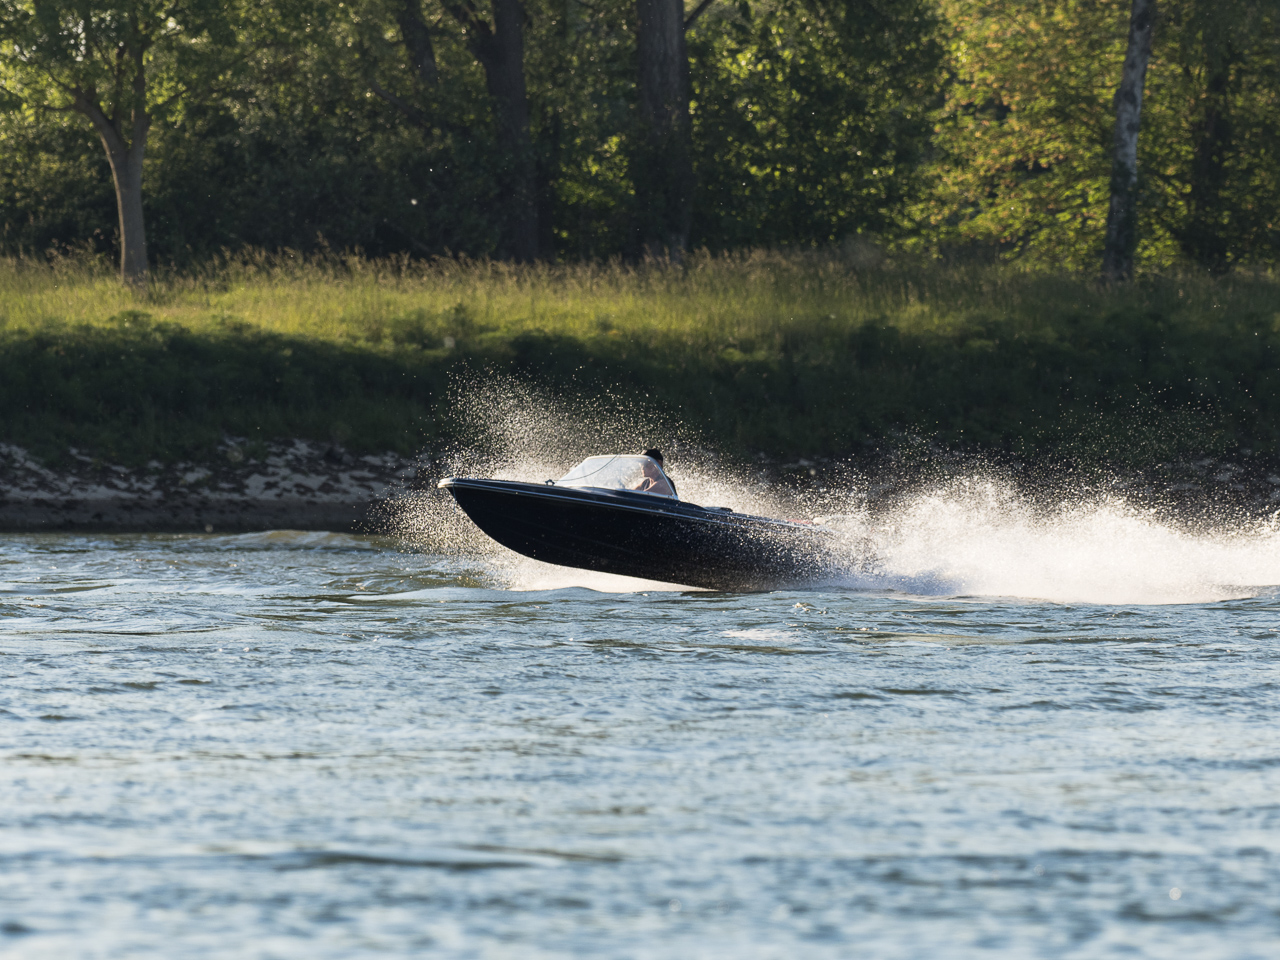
x=1132, y=388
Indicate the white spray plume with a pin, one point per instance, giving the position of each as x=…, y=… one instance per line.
x=971, y=536
x=981, y=537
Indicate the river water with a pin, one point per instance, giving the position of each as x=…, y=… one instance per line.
x=1025, y=736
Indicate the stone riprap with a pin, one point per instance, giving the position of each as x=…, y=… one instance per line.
x=296, y=485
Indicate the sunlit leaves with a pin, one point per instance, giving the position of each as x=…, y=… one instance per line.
x=1024, y=136
x=55, y=51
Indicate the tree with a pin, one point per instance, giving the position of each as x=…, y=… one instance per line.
x=1021, y=137
x=811, y=118
x=1122, y=214
x=117, y=63
x=663, y=169
x=496, y=42
x=1026, y=140
x=1229, y=55
x=499, y=46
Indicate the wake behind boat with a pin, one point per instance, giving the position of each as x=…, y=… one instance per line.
x=621, y=514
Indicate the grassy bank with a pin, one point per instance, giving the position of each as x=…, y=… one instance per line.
x=788, y=354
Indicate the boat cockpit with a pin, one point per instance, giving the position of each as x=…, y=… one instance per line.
x=634, y=473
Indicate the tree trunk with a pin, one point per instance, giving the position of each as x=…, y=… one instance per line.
x=1204, y=238
x=126, y=169
x=1122, y=216
x=500, y=50
x=504, y=77
x=416, y=35
x=664, y=171
x=417, y=40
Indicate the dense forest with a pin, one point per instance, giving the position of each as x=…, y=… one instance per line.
x=568, y=129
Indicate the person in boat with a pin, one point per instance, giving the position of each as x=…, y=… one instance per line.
x=655, y=479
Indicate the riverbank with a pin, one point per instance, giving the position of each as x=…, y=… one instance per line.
x=292, y=486
x=781, y=355
x=298, y=485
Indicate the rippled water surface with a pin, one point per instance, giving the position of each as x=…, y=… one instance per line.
x=312, y=745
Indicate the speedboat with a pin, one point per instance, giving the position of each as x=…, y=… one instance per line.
x=621, y=514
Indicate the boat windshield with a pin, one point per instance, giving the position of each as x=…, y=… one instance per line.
x=641, y=474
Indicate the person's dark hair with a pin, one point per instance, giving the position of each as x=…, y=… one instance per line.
x=653, y=454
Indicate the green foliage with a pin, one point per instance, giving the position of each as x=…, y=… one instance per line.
x=1025, y=135
x=323, y=134
x=55, y=184
x=58, y=53
x=1220, y=88
x=811, y=118
x=582, y=82
x=960, y=124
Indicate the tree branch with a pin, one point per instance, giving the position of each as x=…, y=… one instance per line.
x=419, y=118
x=93, y=43
x=698, y=11
x=415, y=116
x=417, y=39
x=86, y=102
x=481, y=43
x=66, y=88
x=464, y=13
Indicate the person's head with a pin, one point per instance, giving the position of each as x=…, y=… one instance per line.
x=653, y=454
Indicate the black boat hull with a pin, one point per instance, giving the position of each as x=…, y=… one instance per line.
x=638, y=535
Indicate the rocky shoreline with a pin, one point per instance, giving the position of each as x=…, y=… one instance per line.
x=297, y=486
x=303, y=485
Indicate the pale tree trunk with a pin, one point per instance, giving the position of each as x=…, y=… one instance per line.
x=1122, y=216
x=664, y=176
x=126, y=170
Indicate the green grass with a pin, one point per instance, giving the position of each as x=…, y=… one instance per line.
x=783, y=353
